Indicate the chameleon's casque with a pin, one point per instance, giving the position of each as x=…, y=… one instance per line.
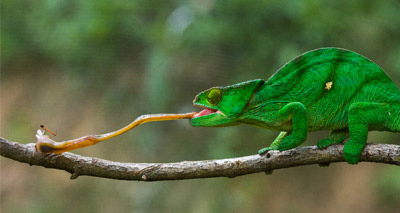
x=324, y=89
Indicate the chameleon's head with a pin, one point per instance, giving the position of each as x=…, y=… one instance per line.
x=223, y=106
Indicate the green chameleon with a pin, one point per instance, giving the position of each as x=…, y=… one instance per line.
x=324, y=89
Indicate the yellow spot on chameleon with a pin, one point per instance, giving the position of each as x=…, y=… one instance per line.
x=328, y=85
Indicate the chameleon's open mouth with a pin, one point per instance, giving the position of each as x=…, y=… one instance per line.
x=204, y=112
x=208, y=117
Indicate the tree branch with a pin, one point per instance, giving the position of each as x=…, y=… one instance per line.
x=78, y=165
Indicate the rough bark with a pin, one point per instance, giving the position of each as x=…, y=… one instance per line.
x=79, y=165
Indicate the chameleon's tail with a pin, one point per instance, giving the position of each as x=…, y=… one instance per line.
x=45, y=144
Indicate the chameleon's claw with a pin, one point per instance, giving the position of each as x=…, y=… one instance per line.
x=324, y=143
x=352, y=152
x=264, y=151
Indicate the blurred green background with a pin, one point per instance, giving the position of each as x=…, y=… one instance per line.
x=89, y=67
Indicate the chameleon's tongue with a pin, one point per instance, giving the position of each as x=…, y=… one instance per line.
x=205, y=112
x=45, y=144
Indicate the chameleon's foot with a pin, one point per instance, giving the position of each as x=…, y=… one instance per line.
x=264, y=151
x=336, y=136
x=324, y=143
x=352, y=152
x=290, y=142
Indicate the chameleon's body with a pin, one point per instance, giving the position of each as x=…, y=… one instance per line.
x=325, y=89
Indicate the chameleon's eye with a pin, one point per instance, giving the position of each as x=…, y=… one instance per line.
x=214, y=96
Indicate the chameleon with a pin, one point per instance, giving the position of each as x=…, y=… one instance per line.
x=324, y=89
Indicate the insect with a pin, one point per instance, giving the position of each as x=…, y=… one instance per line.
x=45, y=128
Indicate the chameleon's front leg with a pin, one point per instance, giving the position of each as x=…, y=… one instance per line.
x=274, y=145
x=297, y=113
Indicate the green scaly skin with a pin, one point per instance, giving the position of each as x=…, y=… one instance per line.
x=297, y=99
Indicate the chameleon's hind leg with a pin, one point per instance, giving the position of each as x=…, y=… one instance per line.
x=364, y=116
x=336, y=136
x=296, y=113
